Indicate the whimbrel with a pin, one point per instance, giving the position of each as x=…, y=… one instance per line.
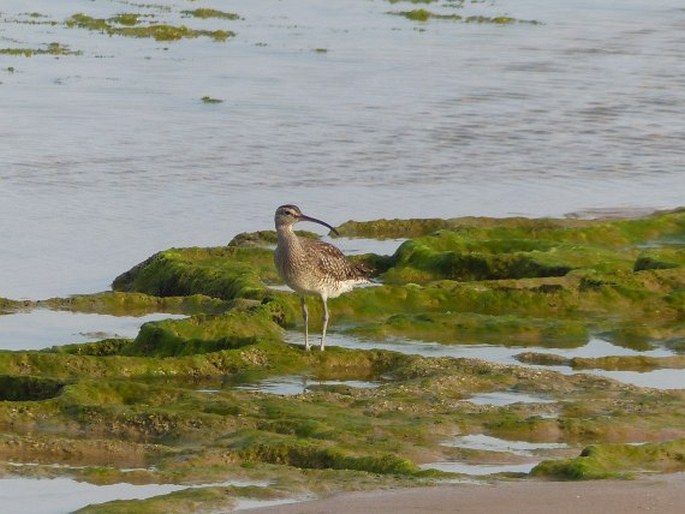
x=312, y=267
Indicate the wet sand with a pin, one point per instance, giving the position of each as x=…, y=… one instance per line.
x=664, y=494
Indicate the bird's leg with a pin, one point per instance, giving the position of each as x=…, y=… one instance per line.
x=305, y=317
x=325, y=322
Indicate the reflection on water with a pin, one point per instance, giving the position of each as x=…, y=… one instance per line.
x=479, y=469
x=299, y=384
x=481, y=442
x=64, y=495
x=660, y=378
x=251, y=503
x=495, y=444
x=501, y=398
x=110, y=156
x=353, y=246
x=41, y=328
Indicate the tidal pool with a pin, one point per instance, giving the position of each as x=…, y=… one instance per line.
x=479, y=469
x=482, y=442
x=659, y=378
x=501, y=398
x=489, y=443
x=299, y=384
x=64, y=495
x=42, y=328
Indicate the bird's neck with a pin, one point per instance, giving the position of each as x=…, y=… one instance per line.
x=286, y=235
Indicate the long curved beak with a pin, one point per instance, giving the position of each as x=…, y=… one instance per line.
x=304, y=217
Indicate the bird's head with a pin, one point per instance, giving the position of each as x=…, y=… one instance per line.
x=288, y=215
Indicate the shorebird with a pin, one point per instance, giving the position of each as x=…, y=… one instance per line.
x=313, y=267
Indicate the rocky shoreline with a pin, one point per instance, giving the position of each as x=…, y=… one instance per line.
x=165, y=403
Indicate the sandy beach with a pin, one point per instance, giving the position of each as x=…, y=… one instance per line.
x=664, y=494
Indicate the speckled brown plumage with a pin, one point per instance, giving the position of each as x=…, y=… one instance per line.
x=312, y=267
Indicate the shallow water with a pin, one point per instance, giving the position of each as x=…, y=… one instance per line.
x=481, y=442
x=110, y=156
x=659, y=378
x=495, y=444
x=501, y=398
x=64, y=495
x=42, y=328
x=298, y=384
x=479, y=469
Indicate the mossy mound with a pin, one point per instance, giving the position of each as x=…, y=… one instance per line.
x=666, y=227
x=474, y=249
x=172, y=397
x=204, y=333
x=506, y=330
x=612, y=461
x=226, y=273
x=513, y=281
x=135, y=304
x=305, y=451
x=23, y=388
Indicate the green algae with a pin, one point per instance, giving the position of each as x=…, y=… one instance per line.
x=54, y=48
x=167, y=399
x=611, y=461
x=424, y=15
x=203, y=334
x=128, y=19
x=376, y=431
x=472, y=327
x=134, y=304
x=8, y=305
x=27, y=388
x=186, y=500
x=211, y=13
x=118, y=26
x=513, y=282
x=225, y=273
x=610, y=363
x=666, y=227
x=311, y=453
x=412, y=1
x=629, y=363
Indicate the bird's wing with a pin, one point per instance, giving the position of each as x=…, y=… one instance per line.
x=331, y=261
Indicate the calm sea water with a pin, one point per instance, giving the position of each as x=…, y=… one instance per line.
x=109, y=156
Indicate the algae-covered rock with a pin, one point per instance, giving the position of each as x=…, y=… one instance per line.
x=204, y=333
x=310, y=453
x=457, y=327
x=472, y=250
x=613, y=461
x=666, y=227
x=22, y=388
x=8, y=306
x=663, y=258
x=226, y=273
x=175, y=398
x=135, y=304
